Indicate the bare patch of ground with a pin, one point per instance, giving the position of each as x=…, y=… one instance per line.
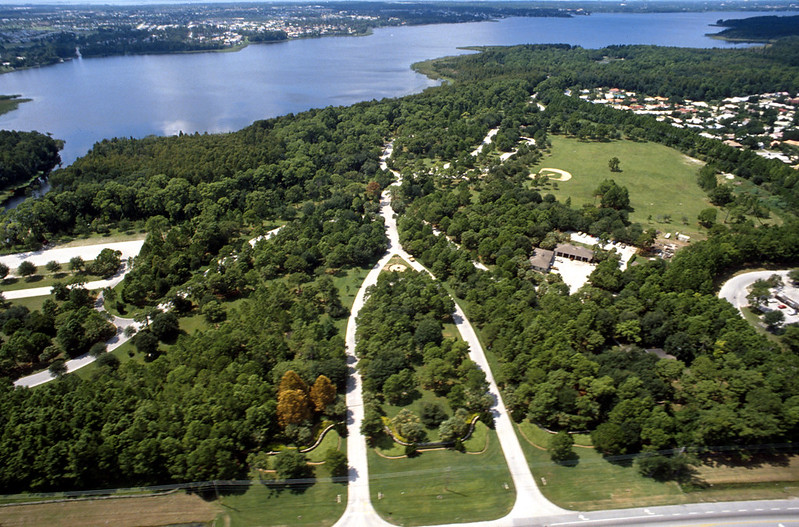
x=759, y=470
x=151, y=511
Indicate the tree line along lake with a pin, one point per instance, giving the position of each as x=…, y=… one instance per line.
x=85, y=100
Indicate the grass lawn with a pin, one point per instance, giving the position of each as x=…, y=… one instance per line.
x=122, y=353
x=320, y=504
x=661, y=180
x=333, y=441
x=113, y=236
x=415, y=406
x=127, y=310
x=193, y=322
x=44, y=280
x=617, y=486
x=593, y=483
x=442, y=486
x=32, y=302
x=348, y=281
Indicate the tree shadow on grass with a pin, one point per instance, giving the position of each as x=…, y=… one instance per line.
x=293, y=486
x=571, y=461
x=407, y=398
x=756, y=460
x=210, y=491
x=383, y=442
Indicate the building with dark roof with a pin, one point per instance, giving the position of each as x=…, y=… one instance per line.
x=574, y=252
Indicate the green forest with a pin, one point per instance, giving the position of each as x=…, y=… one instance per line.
x=758, y=28
x=26, y=155
x=209, y=404
x=402, y=352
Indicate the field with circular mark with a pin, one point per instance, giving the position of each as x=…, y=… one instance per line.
x=555, y=174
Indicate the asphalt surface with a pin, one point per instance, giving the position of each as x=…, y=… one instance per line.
x=735, y=290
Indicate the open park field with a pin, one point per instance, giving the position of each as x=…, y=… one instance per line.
x=443, y=485
x=661, y=180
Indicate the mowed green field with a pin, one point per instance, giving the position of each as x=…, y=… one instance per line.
x=661, y=180
x=320, y=504
x=443, y=485
x=594, y=483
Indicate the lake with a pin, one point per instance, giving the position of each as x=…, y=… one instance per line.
x=83, y=101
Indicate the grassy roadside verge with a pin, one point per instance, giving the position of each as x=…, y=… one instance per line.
x=443, y=485
x=177, y=508
x=618, y=485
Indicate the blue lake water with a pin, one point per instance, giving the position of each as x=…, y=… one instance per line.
x=83, y=101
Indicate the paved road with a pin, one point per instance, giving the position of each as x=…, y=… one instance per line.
x=75, y=364
x=42, y=291
x=359, y=511
x=529, y=500
x=742, y=513
x=65, y=254
x=734, y=290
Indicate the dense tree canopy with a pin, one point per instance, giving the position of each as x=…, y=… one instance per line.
x=24, y=155
x=207, y=402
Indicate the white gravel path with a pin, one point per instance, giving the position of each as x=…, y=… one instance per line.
x=62, y=255
x=530, y=503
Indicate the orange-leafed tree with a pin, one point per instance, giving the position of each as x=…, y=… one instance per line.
x=323, y=393
x=293, y=404
x=291, y=381
x=373, y=190
x=293, y=407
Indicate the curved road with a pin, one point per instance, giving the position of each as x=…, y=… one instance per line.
x=75, y=364
x=87, y=252
x=529, y=500
x=735, y=290
x=531, y=507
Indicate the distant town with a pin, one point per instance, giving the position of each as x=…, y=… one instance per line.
x=766, y=123
x=41, y=35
